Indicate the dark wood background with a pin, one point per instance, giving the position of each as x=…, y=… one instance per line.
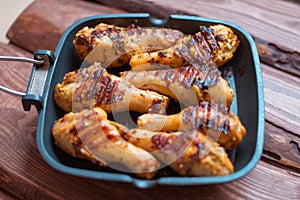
x=275, y=26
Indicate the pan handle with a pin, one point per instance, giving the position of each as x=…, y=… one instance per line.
x=42, y=64
x=20, y=59
x=38, y=79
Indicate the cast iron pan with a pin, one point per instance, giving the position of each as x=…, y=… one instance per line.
x=244, y=77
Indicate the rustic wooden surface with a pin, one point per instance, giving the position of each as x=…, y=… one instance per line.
x=41, y=24
x=5, y=196
x=24, y=174
x=271, y=20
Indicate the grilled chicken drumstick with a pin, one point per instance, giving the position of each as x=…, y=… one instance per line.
x=188, y=85
x=212, y=119
x=94, y=87
x=217, y=43
x=189, y=153
x=113, y=46
x=88, y=135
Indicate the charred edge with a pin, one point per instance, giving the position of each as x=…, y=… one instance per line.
x=112, y=31
x=133, y=30
x=209, y=41
x=104, y=87
x=157, y=107
x=191, y=140
x=157, y=101
x=162, y=54
x=159, y=141
x=106, y=90
x=108, y=132
x=207, y=115
x=87, y=80
x=99, y=129
x=82, y=41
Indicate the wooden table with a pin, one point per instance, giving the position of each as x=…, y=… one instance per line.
x=275, y=26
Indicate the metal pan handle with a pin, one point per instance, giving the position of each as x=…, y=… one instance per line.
x=42, y=63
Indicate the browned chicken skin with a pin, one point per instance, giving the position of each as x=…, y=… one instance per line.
x=188, y=85
x=88, y=135
x=212, y=119
x=113, y=46
x=189, y=153
x=217, y=43
x=94, y=87
x=192, y=142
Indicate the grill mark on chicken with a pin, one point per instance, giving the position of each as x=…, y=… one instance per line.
x=213, y=116
x=204, y=43
x=160, y=141
x=214, y=46
x=210, y=118
x=207, y=38
x=162, y=54
x=183, y=83
x=85, y=132
x=172, y=143
x=98, y=34
x=97, y=86
x=122, y=42
x=82, y=41
x=190, y=153
x=89, y=135
x=187, y=76
x=203, y=46
x=105, y=91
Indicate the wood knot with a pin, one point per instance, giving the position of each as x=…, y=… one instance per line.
x=295, y=148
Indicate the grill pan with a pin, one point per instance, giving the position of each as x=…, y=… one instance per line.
x=50, y=67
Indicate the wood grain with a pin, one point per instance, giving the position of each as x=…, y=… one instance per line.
x=280, y=57
x=5, y=196
x=270, y=20
x=43, y=22
x=25, y=175
x=282, y=111
x=282, y=97
x=281, y=148
x=16, y=74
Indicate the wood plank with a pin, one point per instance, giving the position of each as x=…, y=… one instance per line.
x=16, y=74
x=28, y=177
x=278, y=44
x=41, y=25
x=282, y=111
x=282, y=97
x=255, y=185
x=6, y=196
x=281, y=148
x=280, y=57
x=24, y=174
x=257, y=17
